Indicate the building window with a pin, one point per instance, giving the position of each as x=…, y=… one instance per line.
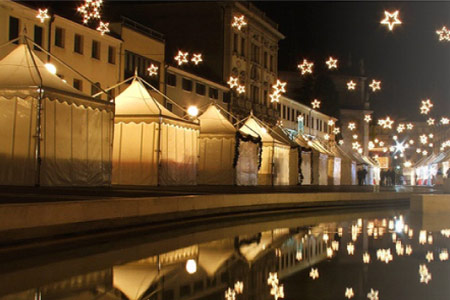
x=95, y=88
x=78, y=84
x=312, y=122
x=254, y=53
x=226, y=97
x=112, y=55
x=13, y=29
x=265, y=60
x=200, y=89
x=38, y=36
x=243, y=46
x=254, y=94
x=317, y=124
x=169, y=106
x=271, y=63
x=288, y=114
x=235, y=42
x=284, y=112
x=265, y=100
x=59, y=37
x=213, y=93
x=95, y=49
x=186, y=84
x=171, y=79
x=140, y=63
x=78, y=44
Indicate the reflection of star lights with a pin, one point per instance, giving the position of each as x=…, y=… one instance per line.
x=349, y=293
x=241, y=89
x=181, y=57
x=103, y=28
x=444, y=34
x=367, y=118
x=238, y=22
x=315, y=104
x=152, y=70
x=43, y=15
x=332, y=63
x=391, y=19
x=375, y=85
x=372, y=295
x=314, y=273
x=429, y=256
x=197, y=58
x=306, y=67
x=351, y=85
x=230, y=294
x=232, y=82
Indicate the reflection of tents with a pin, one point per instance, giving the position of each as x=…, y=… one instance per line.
x=269, y=239
x=75, y=140
x=211, y=256
x=279, y=133
x=151, y=144
x=217, y=155
x=274, y=165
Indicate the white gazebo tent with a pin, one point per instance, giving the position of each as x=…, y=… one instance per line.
x=279, y=133
x=218, y=163
x=274, y=168
x=348, y=168
x=334, y=167
x=152, y=146
x=74, y=129
x=319, y=163
x=306, y=167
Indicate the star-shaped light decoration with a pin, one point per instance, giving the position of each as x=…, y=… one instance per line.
x=329, y=252
x=425, y=275
x=232, y=82
x=367, y=118
x=241, y=89
x=366, y=257
x=350, y=248
x=426, y=106
x=409, y=126
x=306, y=67
x=443, y=255
x=330, y=123
x=429, y=256
x=277, y=291
x=391, y=19
x=423, y=139
x=335, y=245
x=196, y=58
x=384, y=255
x=351, y=126
x=230, y=294
x=181, y=57
x=314, y=273
x=373, y=295
x=273, y=279
x=279, y=87
x=275, y=97
x=326, y=137
x=238, y=22
x=299, y=255
x=152, y=70
x=400, y=128
x=408, y=250
x=349, y=293
x=315, y=104
x=375, y=85
x=239, y=287
x=445, y=121
x=444, y=34
x=90, y=9
x=336, y=130
x=331, y=63
x=387, y=123
x=351, y=85
x=103, y=28
x=430, y=121
x=43, y=15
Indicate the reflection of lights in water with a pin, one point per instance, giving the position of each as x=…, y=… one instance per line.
x=329, y=252
x=366, y=258
x=239, y=287
x=443, y=255
x=191, y=266
x=422, y=237
x=314, y=273
x=299, y=255
x=429, y=256
x=349, y=293
x=372, y=295
x=408, y=250
x=335, y=245
x=350, y=248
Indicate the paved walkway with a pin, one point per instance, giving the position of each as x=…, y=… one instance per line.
x=14, y=194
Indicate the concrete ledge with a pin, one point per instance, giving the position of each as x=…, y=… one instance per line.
x=430, y=203
x=32, y=215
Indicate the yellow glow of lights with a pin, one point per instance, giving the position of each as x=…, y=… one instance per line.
x=429, y=256
x=445, y=121
x=366, y=258
x=349, y=293
x=423, y=139
x=430, y=121
x=152, y=70
x=233, y=82
x=315, y=104
x=314, y=273
x=103, y=28
x=408, y=250
x=426, y=106
x=196, y=58
x=239, y=22
x=192, y=111
x=444, y=34
x=181, y=57
x=329, y=252
x=191, y=266
x=50, y=67
x=375, y=85
x=230, y=294
x=43, y=15
x=299, y=255
x=425, y=275
x=367, y=118
x=274, y=97
x=239, y=287
x=351, y=126
x=350, y=249
x=331, y=63
x=306, y=67
x=330, y=123
x=336, y=130
x=351, y=85
x=273, y=279
x=355, y=136
x=387, y=123
x=90, y=10
x=384, y=255
x=407, y=164
x=409, y=126
x=327, y=137
x=241, y=89
x=335, y=245
x=372, y=295
x=277, y=291
x=401, y=128
x=391, y=19
x=443, y=255
x=341, y=142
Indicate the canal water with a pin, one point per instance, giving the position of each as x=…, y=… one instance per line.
x=367, y=254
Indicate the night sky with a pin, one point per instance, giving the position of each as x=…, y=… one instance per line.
x=410, y=61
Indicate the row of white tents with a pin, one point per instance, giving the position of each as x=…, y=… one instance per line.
x=429, y=170
x=54, y=135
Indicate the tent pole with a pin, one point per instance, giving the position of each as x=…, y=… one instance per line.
x=158, y=153
x=273, y=153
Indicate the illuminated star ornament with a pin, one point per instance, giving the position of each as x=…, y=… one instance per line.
x=336, y=130
x=181, y=57
x=274, y=97
x=152, y=70
x=444, y=34
x=332, y=63
x=232, y=82
x=330, y=123
x=375, y=85
x=197, y=58
x=306, y=67
x=239, y=287
x=238, y=22
x=315, y=104
x=351, y=126
x=90, y=10
x=391, y=19
x=351, y=85
x=314, y=273
x=43, y=15
x=241, y=89
x=349, y=293
x=372, y=295
x=409, y=126
x=426, y=106
x=103, y=28
x=430, y=121
x=279, y=87
x=387, y=123
x=367, y=118
x=445, y=121
x=230, y=294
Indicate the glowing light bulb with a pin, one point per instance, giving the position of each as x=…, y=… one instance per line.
x=192, y=111
x=191, y=266
x=50, y=67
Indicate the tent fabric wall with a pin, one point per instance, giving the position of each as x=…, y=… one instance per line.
x=293, y=167
x=306, y=167
x=348, y=172
x=334, y=170
x=247, y=164
x=320, y=168
x=215, y=164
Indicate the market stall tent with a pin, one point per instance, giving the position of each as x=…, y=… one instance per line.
x=274, y=163
x=319, y=163
x=306, y=157
x=76, y=130
x=279, y=132
x=152, y=146
x=348, y=168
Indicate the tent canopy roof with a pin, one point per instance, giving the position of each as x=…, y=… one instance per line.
x=213, y=122
x=254, y=128
x=279, y=133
